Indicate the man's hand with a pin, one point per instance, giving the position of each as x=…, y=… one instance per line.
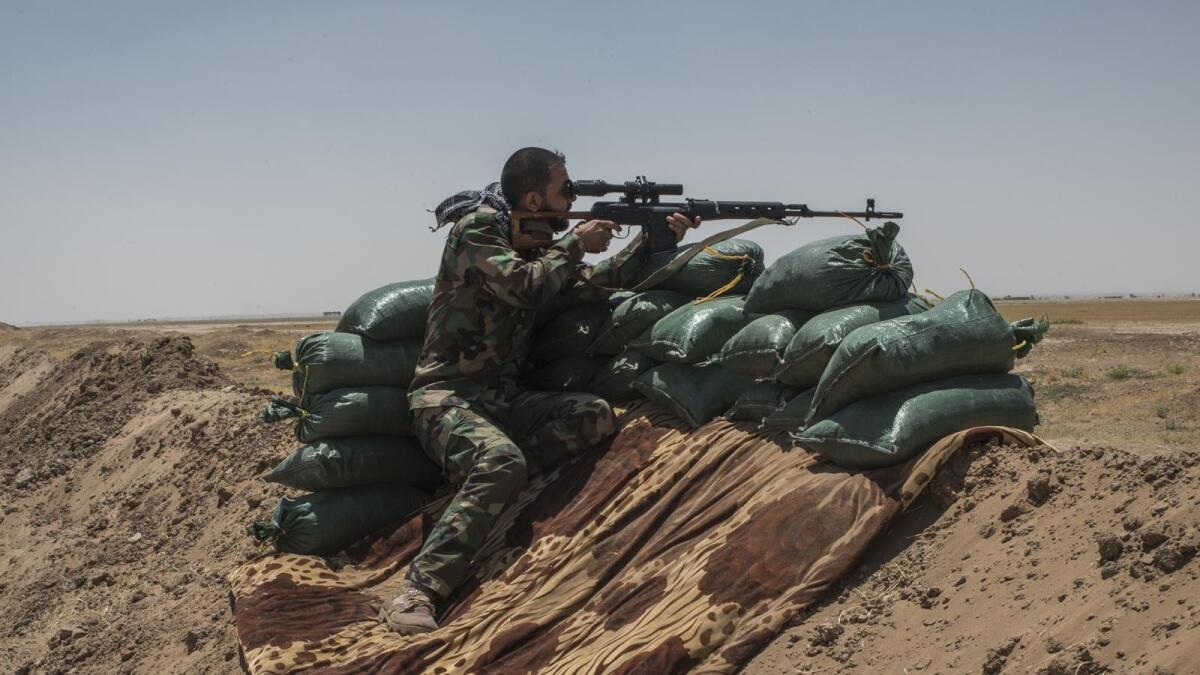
x=679, y=224
x=596, y=234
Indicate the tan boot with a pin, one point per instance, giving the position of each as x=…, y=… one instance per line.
x=410, y=612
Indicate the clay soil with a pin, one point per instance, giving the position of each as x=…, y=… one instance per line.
x=130, y=457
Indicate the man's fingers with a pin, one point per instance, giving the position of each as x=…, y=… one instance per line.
x=680, y=224
x=683, y=221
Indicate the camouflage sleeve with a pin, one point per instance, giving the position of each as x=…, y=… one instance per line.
x=528, y=284
x=616, y=272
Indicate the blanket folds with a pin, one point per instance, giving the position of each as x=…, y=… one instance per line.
x=665, y=551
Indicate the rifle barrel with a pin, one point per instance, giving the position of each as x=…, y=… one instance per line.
x=802, y=211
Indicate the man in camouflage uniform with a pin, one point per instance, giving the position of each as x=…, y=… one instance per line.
x=469, y=413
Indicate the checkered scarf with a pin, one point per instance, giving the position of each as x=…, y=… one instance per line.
x=461, y=203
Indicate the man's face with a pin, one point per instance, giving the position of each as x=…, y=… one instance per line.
x=557, y=195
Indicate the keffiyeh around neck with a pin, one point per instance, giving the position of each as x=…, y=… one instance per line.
x=461, y=203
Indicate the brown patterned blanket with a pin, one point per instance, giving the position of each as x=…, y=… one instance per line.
x=664, y=552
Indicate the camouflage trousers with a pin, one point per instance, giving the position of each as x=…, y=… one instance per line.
x=490, y=467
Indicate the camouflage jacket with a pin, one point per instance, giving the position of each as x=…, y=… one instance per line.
x=485, y=299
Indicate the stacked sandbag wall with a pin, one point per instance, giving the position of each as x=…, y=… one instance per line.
x=851, y=363
x=828, y=344
x=605, y=347
x=360, y=466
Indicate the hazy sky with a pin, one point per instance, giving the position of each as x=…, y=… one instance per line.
x=182, y=159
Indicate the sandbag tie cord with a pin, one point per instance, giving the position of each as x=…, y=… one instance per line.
x=280, y=408
x=265, y=533
x=871, y=260
x=284, y=361
x=1027, y=333
x=866, y=254
x=968, y=276
x=737, y=278
x=304, y=385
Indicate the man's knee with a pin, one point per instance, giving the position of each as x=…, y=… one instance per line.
x=505, y=461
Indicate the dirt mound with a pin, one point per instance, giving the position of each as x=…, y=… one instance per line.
x=129, y=477
x=86, y=399
x=1023, y=561
x=4, y=327
x=21, y=371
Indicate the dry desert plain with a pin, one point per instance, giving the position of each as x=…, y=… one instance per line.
x=131, y=454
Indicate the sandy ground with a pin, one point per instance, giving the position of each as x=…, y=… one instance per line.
x=130, y=456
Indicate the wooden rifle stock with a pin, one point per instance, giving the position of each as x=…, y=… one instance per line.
x=539, y=234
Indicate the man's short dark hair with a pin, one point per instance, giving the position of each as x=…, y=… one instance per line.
x=528, y=170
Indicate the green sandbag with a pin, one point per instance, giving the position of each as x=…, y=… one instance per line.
x=365, y=460
x=891, y=428
x=613, y=382
x=392, y=312
x=569, y=333
x=694, y=395
x=359, y=411
x=761, y=400
x=327, y=522
x=964, y=335
x=617, y=299
x=792, y=415
x=845, y=270
x=633, y=317
x=757, y=349
x=554, y=307
x=328, y=361
x=815, y=342
x=695, y=331
x=573, y=373
x=568, y=299
x=706, y=273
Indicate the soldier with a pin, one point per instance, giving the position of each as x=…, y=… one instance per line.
x=469, y=413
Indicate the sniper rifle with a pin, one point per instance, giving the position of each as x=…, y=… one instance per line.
x=641, y=206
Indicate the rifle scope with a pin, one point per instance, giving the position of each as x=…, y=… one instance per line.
x=633, y=189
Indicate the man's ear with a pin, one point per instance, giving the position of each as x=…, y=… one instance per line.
x=531, y=201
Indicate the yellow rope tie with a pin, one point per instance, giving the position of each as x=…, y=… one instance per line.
x=724, y=256
x=846, y=215
x=871, y=259
x=934, y=294
x=968, y=276
x=1020, y=344
x=304, y=386
x=732, y=284
x=724, y=289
